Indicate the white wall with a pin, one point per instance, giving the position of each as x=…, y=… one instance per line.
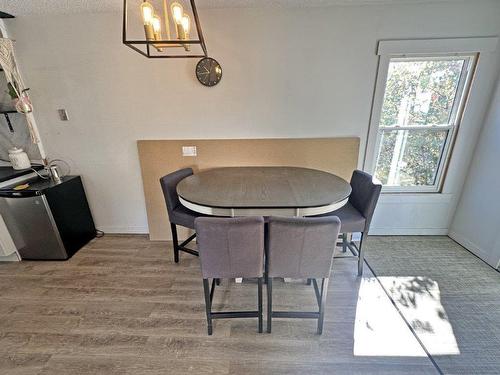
x=477, y=220
x=287, y=73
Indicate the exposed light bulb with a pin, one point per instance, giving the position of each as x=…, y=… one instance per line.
x=186, y=24
x=156, y=22
x=177, y=12
x=148, y=12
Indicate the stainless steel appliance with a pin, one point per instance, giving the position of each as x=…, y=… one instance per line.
x=48, y=220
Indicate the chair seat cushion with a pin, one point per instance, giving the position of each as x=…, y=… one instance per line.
x=184, y=216
x=351, y=220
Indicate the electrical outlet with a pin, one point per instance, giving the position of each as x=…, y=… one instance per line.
x=189, y=151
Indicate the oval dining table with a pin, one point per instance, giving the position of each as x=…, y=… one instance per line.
x=263, y=191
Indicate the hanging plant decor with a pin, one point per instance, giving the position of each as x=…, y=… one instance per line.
x=17, y=90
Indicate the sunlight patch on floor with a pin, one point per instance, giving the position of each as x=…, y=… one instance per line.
x=419, y=300
x=379, y=330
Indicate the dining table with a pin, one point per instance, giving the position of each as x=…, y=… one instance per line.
x=263, y=191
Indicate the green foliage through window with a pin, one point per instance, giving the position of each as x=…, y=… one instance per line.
x=420, y=92
x=410, y=157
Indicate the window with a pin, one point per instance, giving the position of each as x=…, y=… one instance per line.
x=417, y=118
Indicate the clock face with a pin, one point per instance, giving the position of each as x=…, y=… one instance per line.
x=208, y=71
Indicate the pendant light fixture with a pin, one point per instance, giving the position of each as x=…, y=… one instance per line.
x=163, y=28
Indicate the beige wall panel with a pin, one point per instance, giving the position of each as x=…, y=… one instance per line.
x=160, y=157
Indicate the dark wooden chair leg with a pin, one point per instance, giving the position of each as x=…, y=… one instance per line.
x=266, y=258
x=269, y=303
x=175, y=240
x=344, y=242
x=361, y=256
x=259, y=292
x=309, y=281
x=208, y=305
x=324, y=290
x=217, y=281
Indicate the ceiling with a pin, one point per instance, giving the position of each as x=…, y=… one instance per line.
x=31, y=7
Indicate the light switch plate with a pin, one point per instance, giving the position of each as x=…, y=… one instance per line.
x=63, y=114
x=188, y=150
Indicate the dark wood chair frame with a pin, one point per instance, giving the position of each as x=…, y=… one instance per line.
x=209, y=295
x=356, y=250
x=181, y=247
x=320, y=298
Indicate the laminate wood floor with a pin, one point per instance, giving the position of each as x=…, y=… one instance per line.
x=121, y=306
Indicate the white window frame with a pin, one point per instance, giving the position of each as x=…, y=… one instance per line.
x=468, y=48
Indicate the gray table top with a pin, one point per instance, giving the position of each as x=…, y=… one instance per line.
x=263, y=187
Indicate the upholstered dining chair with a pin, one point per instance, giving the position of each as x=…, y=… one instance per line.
x=177, y=213
x=356, y=215
x=300, y=248
x=230, y=248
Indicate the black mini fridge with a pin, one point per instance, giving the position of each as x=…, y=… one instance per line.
x=47, y=220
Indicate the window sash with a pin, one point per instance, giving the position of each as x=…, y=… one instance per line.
x=450, y=130
x=461, y=90
x=467, y=60
x=455, y=116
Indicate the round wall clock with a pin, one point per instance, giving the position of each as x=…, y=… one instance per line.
x=208, y=71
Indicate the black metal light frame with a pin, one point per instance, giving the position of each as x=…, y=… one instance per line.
x=6, y=15
x=152, y=43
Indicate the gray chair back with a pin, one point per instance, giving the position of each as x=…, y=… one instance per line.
x=230, y=247
x=365, y=194
x=301, y=247
x=169, y=185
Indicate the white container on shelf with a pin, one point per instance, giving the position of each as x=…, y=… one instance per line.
x=19, y=158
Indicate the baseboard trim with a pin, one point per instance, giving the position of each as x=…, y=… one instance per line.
x=373, y=231
x=124, y=230
x=473, y=248
x=408, y=231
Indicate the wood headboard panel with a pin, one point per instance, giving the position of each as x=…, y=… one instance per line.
x=157, y=158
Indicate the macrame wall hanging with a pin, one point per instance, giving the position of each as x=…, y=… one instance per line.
x=17, y=90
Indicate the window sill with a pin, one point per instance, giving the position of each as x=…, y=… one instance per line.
x=430, y=189
x=417, y=198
